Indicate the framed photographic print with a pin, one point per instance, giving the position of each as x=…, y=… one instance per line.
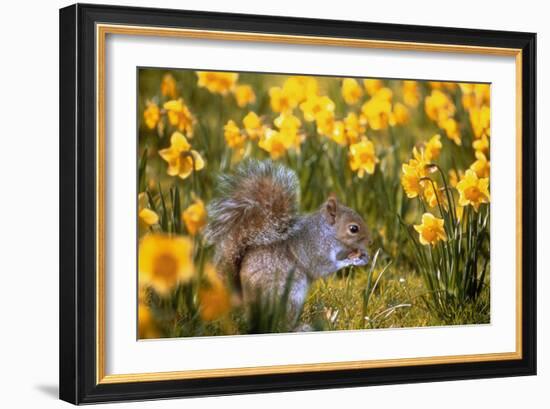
x=257, y=203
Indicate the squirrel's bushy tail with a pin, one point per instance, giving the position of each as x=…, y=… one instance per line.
x=256, y=206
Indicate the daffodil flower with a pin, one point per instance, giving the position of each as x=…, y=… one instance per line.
x=400, y=115
x=482, y=144
x=413, y=172
x=355, y=128
x=253, y=125
x=217, y=82
x=378, y=110
x=233, y=136
x=473, y=190
x=147, y=328
x=438, y=106
x=482, y=167
x=431, y=230
x=165, y=261
x=194, y=217
x=351, y=91
x=411, y=94
x=410, y=180
x=451, y=130
x=182, y=160
x=372, y=86
x=180, y=116
x=168, y=86
x=316, y=105
x=147, y=217
x=244, y=95
x=433, y=148
x=281, y=101
x=433, y=195
x=278, y=142
x=480, y=119
x=214, y=297
x=151, y=115
x=362, y=157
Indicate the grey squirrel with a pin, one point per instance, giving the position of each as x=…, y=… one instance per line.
x=260, y=240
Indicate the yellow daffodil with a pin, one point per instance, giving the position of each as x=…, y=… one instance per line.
x=278, y=142
x=217, y=82
x=280, y=101
x=147, y=328
x=165, y=261
x=354, y=127
x=480, y=119
x=378, y=109
x=473, y=190
x=294, y=90
x=309, y=85
x=182, y=160
x=482, y=167
x=338, y=134
x=432, y=193
x=483, y=93
x=475, y=95
x=372, y=86
x=411, y=94
x=431, y=230
x=168, y=86
x=438, y=106
x=410, y=180
x=413, y=172
x=233, y=136
x=452, y=130
x=362, y=157
x=194, y=217
x=433, y=147
x=384, y=93
x=401, y=114
x=298, y=88
x=351, y=91
x=289, y=125
x=481, y=144
x=146, y=216
x=180, y=116
x=454, y=177
x=214, y=298
x=421, y=161
x=151, y=115
x=316, y=105
x=438, y=85
x=253, y=125
x=287, y=122
x=244, y=95
x=325, y=123
x=272, y=143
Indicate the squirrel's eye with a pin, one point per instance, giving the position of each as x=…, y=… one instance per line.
x=353, y=228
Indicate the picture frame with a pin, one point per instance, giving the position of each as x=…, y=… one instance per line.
x=83, y=180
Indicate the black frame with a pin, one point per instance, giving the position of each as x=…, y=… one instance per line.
x=78, y=198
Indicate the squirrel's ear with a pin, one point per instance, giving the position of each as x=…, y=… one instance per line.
x=331, y=207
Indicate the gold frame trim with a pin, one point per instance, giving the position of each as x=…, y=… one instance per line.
x=101, y=33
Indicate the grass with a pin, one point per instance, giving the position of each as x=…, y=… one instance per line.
x=397, y=302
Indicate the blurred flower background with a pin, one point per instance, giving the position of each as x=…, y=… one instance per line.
x=411, y=157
